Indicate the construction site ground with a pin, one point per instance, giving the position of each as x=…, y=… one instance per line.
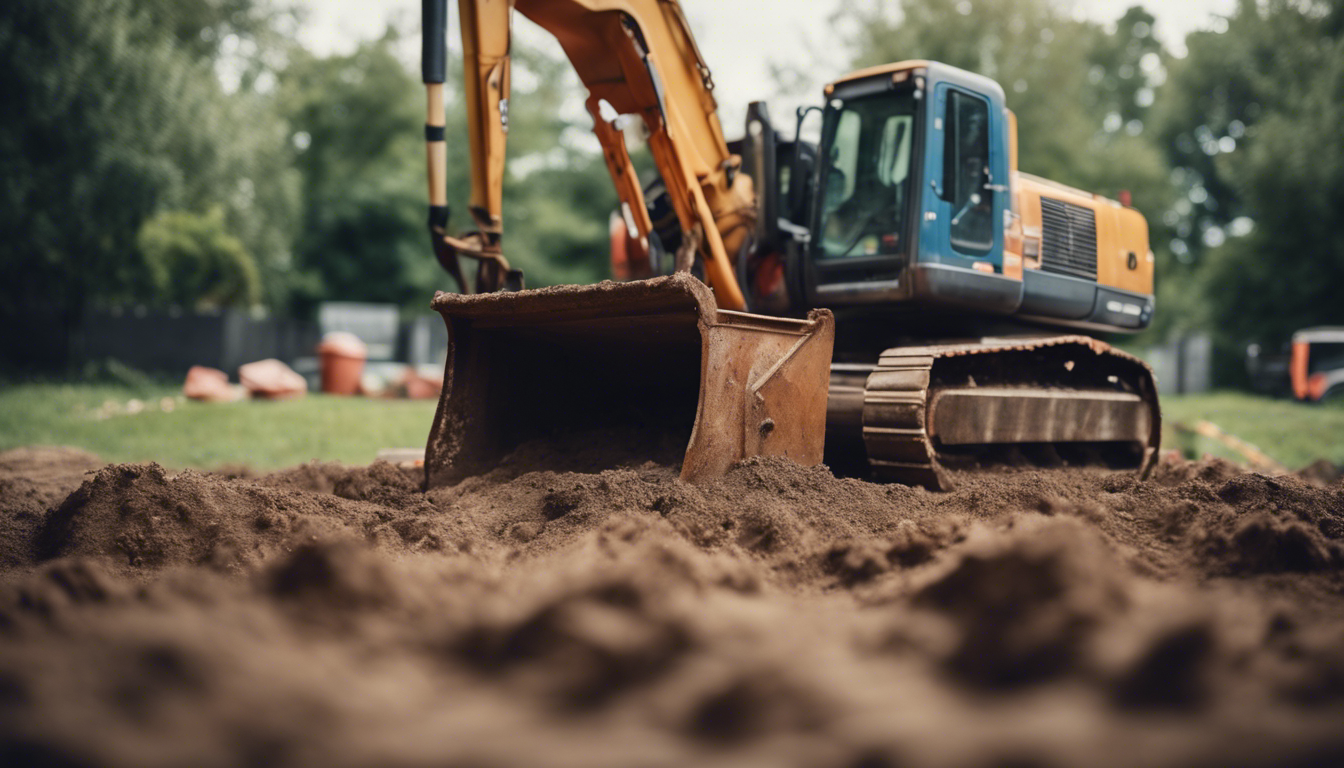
x=551, y=614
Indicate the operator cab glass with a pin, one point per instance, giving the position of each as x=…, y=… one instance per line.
x=867, y=176
x=912, y=192
x=966, y=174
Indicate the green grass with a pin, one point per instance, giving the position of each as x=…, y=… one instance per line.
x=264, y=435
x=269, y=435
x=1292, y=433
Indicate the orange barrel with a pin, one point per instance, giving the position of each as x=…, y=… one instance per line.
x=342, y=358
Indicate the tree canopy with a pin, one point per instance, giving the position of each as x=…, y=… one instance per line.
x=117, y=114
x=1233, y=152
x=149, y=139
x=355, y=123
x=1251, y=123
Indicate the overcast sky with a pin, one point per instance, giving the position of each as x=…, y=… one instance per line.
x=738, y=38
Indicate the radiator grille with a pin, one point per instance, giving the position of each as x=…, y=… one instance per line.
x=1068, y=239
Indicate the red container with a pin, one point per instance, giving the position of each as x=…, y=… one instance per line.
x=342, y=357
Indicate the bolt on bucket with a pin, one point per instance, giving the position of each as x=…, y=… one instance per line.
x=654, y=356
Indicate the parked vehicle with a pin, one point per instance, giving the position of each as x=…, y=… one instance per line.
x=1316, y=365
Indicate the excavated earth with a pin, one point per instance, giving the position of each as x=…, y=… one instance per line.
x=339, y=616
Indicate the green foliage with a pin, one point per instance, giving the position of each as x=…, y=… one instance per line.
x=557, y=191
x=1127, y=66
x=1252, y=120
x=121, y=119
x=1294, y=434
x=355, y=121
x=193, y=261
x=312, y=168
x=1039, y=54
x=1062, y=77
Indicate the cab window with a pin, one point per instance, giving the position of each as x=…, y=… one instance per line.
x=966, y=172
x=866, y=187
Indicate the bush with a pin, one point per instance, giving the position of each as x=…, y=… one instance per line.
x=193, y=261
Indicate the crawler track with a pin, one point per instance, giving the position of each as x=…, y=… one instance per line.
x=922, y=409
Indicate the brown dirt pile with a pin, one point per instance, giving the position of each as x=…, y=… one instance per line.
x=330, y=615
x=33, y=480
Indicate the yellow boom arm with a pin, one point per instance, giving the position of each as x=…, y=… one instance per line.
x=639, y=57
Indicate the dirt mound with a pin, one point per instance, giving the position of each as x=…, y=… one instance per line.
x=33, y=480
x=1024, y=605
x=142, y=518
x=330, y=615
x=1322, y=472
x=1173, y=470
x=1265, y=525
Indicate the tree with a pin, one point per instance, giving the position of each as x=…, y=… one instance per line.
x=116, y=113
x=1062, y=77
x=1127, y=66
x=558, y=193
x=1038, y=55
x=352, y=119
x=355, y=120
x=1252, y=120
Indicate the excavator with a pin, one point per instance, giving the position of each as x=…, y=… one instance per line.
x=896, y=298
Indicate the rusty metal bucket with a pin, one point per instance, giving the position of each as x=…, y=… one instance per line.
x=654, y=355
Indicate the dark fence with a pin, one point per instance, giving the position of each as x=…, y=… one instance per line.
x=170, y=342
x=36, y=340
x=153, y=340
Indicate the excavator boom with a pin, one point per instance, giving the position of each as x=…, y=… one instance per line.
x=639, y=58
x=665, y=356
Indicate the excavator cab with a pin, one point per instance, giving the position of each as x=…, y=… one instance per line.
x=937, y=256
x=915, y=207
x=868, y=191
x=875, y=200
x=903, y=196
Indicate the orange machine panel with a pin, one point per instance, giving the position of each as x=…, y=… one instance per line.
x=1124, y=260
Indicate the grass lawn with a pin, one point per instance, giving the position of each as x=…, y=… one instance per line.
x=269, y=435
x=1292, y=433
x=264, y=435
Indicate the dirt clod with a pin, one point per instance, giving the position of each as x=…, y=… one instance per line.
x=330, y=615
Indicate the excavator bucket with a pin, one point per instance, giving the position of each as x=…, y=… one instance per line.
x=653, y=356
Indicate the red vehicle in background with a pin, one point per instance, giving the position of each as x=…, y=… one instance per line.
x=1316, y=364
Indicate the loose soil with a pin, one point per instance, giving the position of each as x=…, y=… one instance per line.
x=339, y=616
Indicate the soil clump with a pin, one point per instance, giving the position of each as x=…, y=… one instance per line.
x=332, y=615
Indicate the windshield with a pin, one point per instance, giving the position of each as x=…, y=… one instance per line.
x=867, y=182
x=1326, y=356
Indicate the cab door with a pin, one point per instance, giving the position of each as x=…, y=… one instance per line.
x=968, y=173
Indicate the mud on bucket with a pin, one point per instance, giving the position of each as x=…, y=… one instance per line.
x=655, y=358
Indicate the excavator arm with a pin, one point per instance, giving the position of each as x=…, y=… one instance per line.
x=663, y=359
x=640, y=58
